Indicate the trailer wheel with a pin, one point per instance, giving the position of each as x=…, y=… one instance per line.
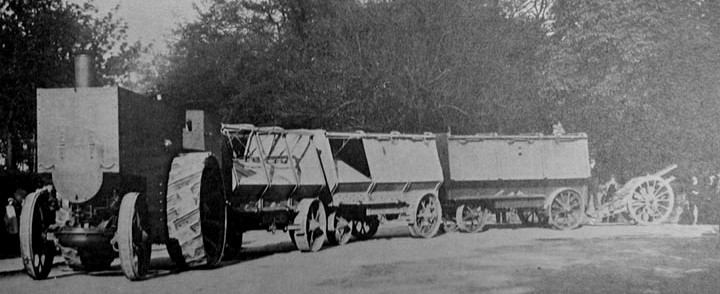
x=37, y=251
x=133, y=237
x=364, y=229
x=470, y=218
x=651, y=201
x=428, y=217
x=566, y=210
x=312, y=221
x=532, y=217
x=339, y=230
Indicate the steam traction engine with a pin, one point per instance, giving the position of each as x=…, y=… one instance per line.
x=113, y=160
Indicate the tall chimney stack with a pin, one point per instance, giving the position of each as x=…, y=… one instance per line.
x=83, y=71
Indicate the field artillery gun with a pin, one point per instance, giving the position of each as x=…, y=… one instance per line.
x=319, y=185
x=541, y=178
x=648, y=199
x=118, y=180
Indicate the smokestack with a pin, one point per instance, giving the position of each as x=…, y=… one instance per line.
x=83, y=71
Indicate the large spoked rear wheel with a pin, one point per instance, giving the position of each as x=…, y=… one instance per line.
x=470, y=218
x=313, y=223
x=339, y=230
x=37, y=251
x=566, y=210
x=651, y=201
x=133, y=237
x=428, y=217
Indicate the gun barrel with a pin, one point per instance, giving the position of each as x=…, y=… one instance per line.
x=666, y=170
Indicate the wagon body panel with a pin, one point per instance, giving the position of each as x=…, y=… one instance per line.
x=512, y=171
x=273, y=168
x=488, y=157
x=395, y=167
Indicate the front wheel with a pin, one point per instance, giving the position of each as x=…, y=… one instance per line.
x=37, y=251
x=313, y=223
x=133, y=238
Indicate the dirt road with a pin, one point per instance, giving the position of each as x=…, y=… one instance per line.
x=597, y=259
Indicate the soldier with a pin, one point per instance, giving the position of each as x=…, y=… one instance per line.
x=558, y=129
x=693, y=198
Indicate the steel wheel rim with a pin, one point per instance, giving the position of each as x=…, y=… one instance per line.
x=427, y=216
x=651, y=202
x=471, y=218
x=39, y=243
x=314, y=224
x=37, y=252
x=566, y=209
x=343, y=232
x=139, y=245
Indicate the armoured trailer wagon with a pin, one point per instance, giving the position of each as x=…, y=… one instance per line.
x=118, y=183
x=321, y=185
x=542, y=178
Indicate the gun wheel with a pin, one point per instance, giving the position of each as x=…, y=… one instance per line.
x=651, y=201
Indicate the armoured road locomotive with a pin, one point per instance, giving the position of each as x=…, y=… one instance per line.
x=120, y=181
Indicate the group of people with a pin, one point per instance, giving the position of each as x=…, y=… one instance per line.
x=700, y=195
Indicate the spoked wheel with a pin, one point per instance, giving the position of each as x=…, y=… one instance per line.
x=651, y=202
x=470, y=218
x=428, y=217
x=339, y=231
x=312, y=221
x=566, y=210
x=364, y=229
x=133, y=237
x=532, y=217
x=37, y=251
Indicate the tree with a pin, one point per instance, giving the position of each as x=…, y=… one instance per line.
x=413, y=66
x=639, y=77
x=38, y=39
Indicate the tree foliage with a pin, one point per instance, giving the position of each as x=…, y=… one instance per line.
x=638, y=76
x=38, y=39
x=425, y=65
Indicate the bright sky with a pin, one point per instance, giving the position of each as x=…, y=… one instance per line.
x=150, y=21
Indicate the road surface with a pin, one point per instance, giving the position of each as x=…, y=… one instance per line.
x=591, y=259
